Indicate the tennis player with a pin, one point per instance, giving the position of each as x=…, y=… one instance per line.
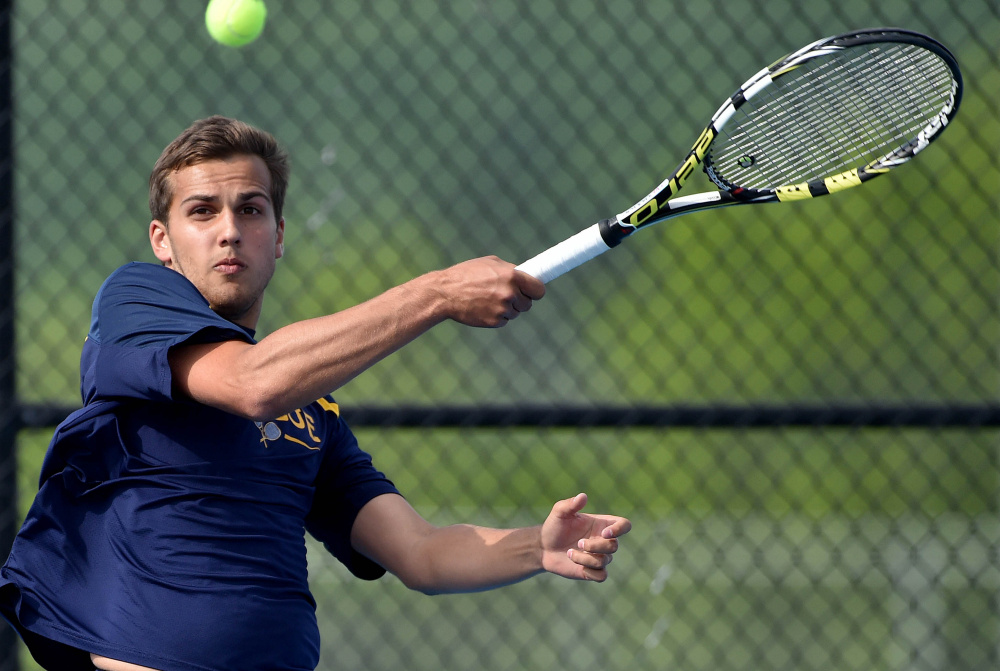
x=169, y=528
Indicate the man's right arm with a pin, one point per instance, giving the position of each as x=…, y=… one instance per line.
x=303, y=361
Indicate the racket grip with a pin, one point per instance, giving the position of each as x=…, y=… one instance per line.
x=566, y=255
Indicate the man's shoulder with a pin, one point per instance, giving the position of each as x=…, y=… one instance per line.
x=140, y=283
x=141, y=273
x=144, y=298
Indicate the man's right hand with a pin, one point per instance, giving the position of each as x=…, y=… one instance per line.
x=486, y=292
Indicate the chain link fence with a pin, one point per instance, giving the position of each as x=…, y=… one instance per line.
x=424, y=133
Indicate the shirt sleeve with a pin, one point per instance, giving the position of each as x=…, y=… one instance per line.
x=346, y=481
x=139, y=314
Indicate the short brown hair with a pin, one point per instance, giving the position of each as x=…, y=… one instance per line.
x=217, y=138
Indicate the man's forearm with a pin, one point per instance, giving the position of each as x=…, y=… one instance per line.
x=306, y=360
x=467, y=558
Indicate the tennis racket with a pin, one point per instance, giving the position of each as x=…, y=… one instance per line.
x=830, y=116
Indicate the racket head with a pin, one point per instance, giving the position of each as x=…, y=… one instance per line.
x=833, y=115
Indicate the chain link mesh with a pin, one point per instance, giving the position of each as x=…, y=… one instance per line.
x=424, y=133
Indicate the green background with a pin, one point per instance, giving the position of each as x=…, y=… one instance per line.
x=424, y=133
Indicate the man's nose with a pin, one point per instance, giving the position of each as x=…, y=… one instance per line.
x=229, y=227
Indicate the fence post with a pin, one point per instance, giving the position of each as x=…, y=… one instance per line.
x=8, y=402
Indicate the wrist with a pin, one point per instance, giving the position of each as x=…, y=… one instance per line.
x=425, y=295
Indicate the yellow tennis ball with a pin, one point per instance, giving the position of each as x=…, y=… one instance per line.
x=235, y=22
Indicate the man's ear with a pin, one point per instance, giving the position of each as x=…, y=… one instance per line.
x=160, y=242
x=279, y=246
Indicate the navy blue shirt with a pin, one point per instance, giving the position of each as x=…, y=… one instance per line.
x=168, y=533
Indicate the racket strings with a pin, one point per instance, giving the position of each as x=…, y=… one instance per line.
x=849, y=117
x=826, y=126
x=831, y=115
x=846, y=116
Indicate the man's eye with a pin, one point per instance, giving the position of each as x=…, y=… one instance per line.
x=250, y=210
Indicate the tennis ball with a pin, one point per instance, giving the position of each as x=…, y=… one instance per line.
x=235, y=22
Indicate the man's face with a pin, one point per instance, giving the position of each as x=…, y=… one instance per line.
x=222, y=234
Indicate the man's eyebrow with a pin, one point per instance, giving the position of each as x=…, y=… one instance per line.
x=250, y=195
x=198, y=196
x=242, y=197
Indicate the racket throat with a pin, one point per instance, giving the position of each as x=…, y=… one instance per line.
x=613, y=232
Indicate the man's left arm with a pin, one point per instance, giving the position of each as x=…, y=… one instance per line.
x=468, y=558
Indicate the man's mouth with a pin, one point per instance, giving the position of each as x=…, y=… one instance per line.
x=230, y=266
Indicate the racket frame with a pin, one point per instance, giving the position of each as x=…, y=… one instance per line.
x=663, y=203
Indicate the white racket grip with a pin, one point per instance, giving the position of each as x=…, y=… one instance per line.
x=567, y=255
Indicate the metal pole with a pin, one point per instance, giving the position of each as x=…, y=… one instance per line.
x=9, y=517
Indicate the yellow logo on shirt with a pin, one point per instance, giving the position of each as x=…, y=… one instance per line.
x=303, y=424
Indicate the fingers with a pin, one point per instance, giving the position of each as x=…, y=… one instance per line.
x=521, y=303
x=570, y=507
x=594, y=553
x=489, y=292
x=513, y=310
x=578, y=545
x=619, y=527
x=602, y=547
x=531, y=287
x=525, y=290
x=593, y=565
x=598, y=545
